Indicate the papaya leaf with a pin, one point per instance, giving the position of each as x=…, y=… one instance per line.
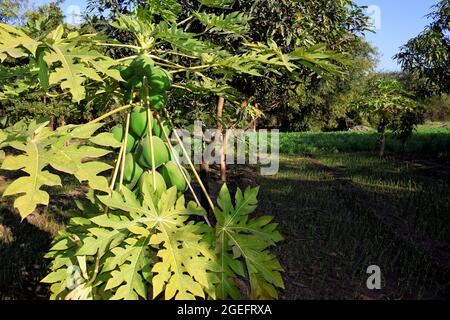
x=15, y=43
x=232, y=23
x=124, y=242
x=222, y=4
x=72, y=74
x=168, y=9
x=106, y=139
x=185, y=269
x=33, y=161
x=240, y=238
x=128, y=278
x=40, y=147
x=185, y=41
x=68, y=61
x=70, y=159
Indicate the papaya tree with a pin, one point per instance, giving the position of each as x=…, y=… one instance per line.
x=228, y=25
x=388, y=106
x=133, y=236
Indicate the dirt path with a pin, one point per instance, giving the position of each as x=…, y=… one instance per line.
x=383, y=212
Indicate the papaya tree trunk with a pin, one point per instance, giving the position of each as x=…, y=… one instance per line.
x=51, y=123
x=223, y=166
x=204, y=177
x=382, y=142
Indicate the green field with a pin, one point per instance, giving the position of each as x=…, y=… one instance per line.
x=342, y=208
x=429, y=142
x=334, y=227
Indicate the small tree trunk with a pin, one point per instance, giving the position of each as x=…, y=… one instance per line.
x=223, y=166
x=382, y=142
x=51, y=123
x=204, y=176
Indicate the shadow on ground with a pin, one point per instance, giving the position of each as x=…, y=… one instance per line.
x=331, y=239
x=21, y=259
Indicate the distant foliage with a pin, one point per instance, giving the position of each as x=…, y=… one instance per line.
x=388, y=105
x=437, y=107
x=426, y=58
x=433, y=143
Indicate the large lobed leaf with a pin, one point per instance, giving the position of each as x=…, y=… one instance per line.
x=15, y=43
x=33, y=161
x=68, y=61
x=39, y=148
x=141, y=243
x=146, y=247
x=243, y=243
x=232, y=23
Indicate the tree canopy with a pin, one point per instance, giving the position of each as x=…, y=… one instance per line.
x=426, y=58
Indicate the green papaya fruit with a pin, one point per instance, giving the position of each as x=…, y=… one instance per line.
x=147, y=179
x=143, y=153
x=132, y=171
x=118, y=132
x=143, y=66
x=134, y=74
x=157, y=101
x=160, y=80
x=125, y=70
x=138, y=122
x=173, y=176
x=157, y=129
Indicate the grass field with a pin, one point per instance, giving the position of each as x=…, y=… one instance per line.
x=333, y=234
x=426, y=142
x=340, y=209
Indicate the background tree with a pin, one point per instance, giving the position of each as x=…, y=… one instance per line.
x=425, y=59
x=286, y=100
x=12, y=11
x=22, y=99
x=388, y=106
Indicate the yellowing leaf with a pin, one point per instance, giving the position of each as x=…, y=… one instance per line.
x=41, y=147
x=32, y=162
x=13, y=42
x=69, y=159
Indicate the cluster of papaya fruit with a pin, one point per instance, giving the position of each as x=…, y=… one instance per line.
x=145, y=82
x=138, y=160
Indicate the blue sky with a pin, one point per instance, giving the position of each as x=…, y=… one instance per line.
x=399, y=21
